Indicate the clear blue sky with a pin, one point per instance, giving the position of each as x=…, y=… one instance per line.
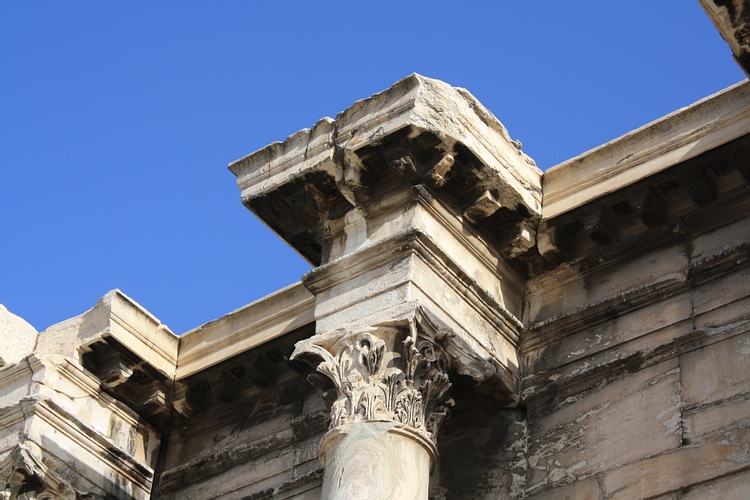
x=117, y=121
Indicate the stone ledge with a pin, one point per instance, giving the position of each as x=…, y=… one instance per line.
x=239, y=331
x=670, y=140
x=420, y=131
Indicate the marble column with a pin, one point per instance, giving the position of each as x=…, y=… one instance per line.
x=391, y=383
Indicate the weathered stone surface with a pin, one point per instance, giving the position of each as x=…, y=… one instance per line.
x=262, y=443
x=87, y=441
x=731, y=18
x=722, y=454
x=720, y=241
x=241, y=330
x=650, y=149
x=720, y=293
x=601, y=429
x=397, y=373
x=587, y=489
x=704, y=421
x=415, y=105
x=375, y=461
x=668, y=315
x=567, y=291
x=612, y=363
x=734, y=487
x=491, y=438
x=706, y=381
x=118, y=316
x=17, y=337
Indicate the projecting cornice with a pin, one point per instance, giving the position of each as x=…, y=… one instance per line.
x=420, y=131
x=648, y=150
x=685, y=171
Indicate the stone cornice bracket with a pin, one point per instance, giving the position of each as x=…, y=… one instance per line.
x=391, y=372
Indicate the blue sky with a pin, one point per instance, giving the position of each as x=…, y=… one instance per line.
x=117, y=121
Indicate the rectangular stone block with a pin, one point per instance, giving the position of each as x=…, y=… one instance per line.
x=734, y=487
x=472, y=324
x=721, y=240
x=588, y=489
x=732, y=316
x=313, y=494
x=631, y=418
x=16, y=383
x=565, y=289
x=593, y=369
x=709, y=420
x=716, y=372
x=239, y=482
x=720, y=292
x=689, y=465
x=614, y=333
x=361, y=295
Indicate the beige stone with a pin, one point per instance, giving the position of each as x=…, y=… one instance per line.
x=721, y=293
x=652, y=148
x=423, y=103
x=247, y=327
x=706, y=421
x=614, y=334
x=734, y=487
x=577, y=334
x=118, y=316
x=87, y=441
x=720, y=241
x=567, y=378
x=375, y=461
x=567, y=292
x=715, y=457
x=586, y=489
x=630, y=418
x=17, y=337
x=706, y=381
x=242, y=482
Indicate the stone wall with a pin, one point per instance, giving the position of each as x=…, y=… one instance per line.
x=639, y=389
x=472, y=328
x=253, y=433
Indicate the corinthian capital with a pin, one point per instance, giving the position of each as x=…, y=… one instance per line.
x=387, y=372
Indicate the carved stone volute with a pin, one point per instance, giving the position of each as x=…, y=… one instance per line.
x=388, y=372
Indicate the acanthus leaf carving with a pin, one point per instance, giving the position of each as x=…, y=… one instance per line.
x=396, y=371
x=409, y=408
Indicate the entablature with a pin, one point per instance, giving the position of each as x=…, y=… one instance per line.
x=420, y=131
x=249, y=326
x=696, y=195
x=648, y=150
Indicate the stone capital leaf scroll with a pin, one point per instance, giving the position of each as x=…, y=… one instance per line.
x=396, y=371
